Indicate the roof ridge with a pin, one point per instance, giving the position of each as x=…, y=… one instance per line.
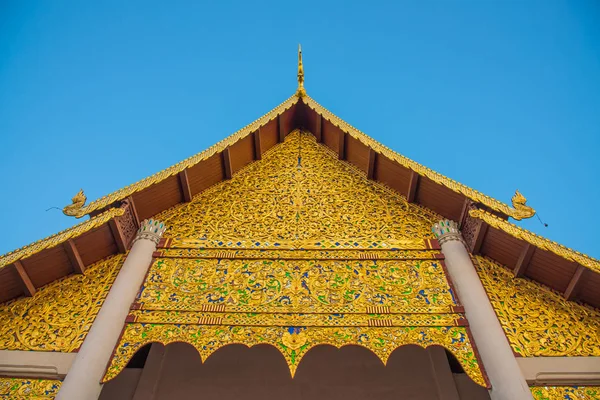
x=80, y=210
x=518, y=212
x=536, y=240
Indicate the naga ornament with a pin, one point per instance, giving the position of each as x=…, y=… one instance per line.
x=76, y=208
x=521, y=210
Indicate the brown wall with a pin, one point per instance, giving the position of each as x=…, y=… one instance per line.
x=260, y=372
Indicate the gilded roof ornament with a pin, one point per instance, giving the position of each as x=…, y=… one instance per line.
x=76, y=208
x=301, y=92
x=520, y=209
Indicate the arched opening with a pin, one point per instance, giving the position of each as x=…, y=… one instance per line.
x=260, y=372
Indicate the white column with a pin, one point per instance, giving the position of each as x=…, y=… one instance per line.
x=84, y=376
x=496, y=354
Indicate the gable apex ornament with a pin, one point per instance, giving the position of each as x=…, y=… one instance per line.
x=300, y=92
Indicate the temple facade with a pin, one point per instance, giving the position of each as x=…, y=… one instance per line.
x=299, y=258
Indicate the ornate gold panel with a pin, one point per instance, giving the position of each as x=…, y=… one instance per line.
x=22, y=388
x=566, y=392
x=299, y=192
x=537, y=320
x=294, y=342
x=298, y=250
x=59, y=315
x=297, y=286
x=300, y=254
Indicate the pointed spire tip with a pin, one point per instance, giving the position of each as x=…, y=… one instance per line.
x=300, y=92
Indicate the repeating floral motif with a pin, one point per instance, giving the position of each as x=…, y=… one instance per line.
x=566, y=392
x=297, y=250
x=331, y=286
x=21, y=388
x=299, y=191
x=300, y=254
x=295, y=342
x=537, y=320
x=293, y=319
x=59, y=315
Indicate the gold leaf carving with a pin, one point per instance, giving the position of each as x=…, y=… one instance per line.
x=298, y=250
x=295, y=342
x=59, y=315
x=517, y=213
x=566, y=392
x=271, y=286
x=536, y=240
x=300, y=192
x=23, y=388
x=537, y=320
x=79, y=211
x=60, y=237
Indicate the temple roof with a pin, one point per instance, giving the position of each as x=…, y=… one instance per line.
x=530, y=255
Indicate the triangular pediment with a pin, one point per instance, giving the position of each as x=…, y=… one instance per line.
x=299, y=194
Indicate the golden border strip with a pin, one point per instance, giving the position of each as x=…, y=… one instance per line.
x=188, y=162
x=243, y=309
x=329, y=254
x=300, y=245
x=536, y=240
x=296, y=319
x=59, y=237
x=408, y=163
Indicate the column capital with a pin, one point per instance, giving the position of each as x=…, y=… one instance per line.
x=150, y=229
x=447, y=230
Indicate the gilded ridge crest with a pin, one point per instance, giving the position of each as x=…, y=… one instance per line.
x=518, y=211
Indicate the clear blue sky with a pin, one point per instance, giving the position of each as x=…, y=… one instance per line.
x=498, y=95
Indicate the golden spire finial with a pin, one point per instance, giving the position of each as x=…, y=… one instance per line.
x=300, y=92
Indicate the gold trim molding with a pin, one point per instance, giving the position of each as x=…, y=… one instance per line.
x=23, y=388
x=565, y=392
x=538, y=241
x=518, y=212
x=60, y=237
x=120, y=194
x=295, y=342
x=538, y=321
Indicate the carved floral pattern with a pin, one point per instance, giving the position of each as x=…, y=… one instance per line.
x=295, y=342
x=59, y=315
x=127, y=222
x=297, y=285
x=297, y=250
x=299, y=191
x=537, y=320
x=566, y=392
x=304, y=254
x=22, y=388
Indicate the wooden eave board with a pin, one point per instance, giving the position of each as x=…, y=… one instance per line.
x=10, y=284
x=590, y=290
x=96, y=244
